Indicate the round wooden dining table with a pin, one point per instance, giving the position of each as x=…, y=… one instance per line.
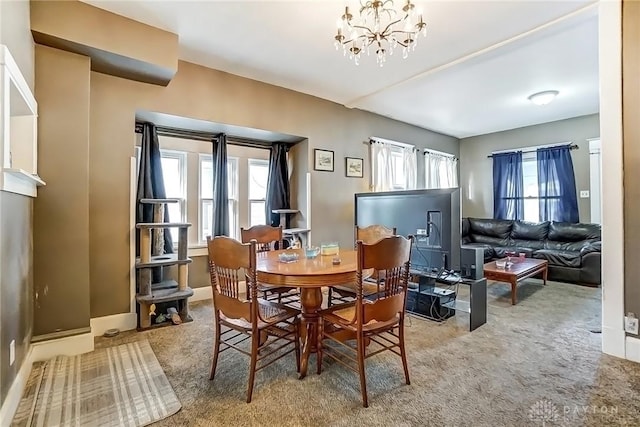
x=310, y=275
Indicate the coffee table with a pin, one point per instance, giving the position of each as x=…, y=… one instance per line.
x=519, y=270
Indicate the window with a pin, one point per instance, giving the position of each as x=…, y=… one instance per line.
x=530, y=187
x=393, y=166
x=258, y=176
x=398, y=178
x=441, y=170
x=206, y=197
x=174, y=172
x=188, y=172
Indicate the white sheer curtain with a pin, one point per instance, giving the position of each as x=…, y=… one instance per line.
x=441, y=170
x=410, y=166
x=381, y=167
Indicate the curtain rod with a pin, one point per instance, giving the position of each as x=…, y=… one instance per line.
x=206, y=136
x=396, y=143
x=439, y=153
x=532, y=149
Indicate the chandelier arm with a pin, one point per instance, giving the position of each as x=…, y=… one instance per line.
x=391, y=24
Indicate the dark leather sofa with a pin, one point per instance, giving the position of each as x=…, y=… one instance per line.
x=573, y=250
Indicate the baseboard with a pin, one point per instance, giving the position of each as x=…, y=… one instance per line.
x=201, y=294
x=632, y=349
x=613, y=341
x=11, y=402
x=68, y=346
x=121, y=321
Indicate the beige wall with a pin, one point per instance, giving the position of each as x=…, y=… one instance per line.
x=206, y=94
x=16, y=220
x=476, y=172
x=631, y=144
x=16, y=35
x=61, y=223
x=116, y=45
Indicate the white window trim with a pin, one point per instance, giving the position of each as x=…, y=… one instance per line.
x=250, y=200
x=401, y=184
x=236, y=195
x=181, y=156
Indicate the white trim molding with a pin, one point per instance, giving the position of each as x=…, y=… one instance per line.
x=12, y=400
x=632, y=349
x=121, y=321
x=201, y=294
x=67, y=346
x=610, y=48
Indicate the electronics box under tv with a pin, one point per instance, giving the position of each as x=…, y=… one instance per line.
x=434, y=303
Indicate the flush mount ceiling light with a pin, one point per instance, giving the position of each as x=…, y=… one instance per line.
x=380, y=29
x=543, y=98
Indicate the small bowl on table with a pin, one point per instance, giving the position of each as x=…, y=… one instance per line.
x=501, y=264
x=311, y=252
x=287, y=257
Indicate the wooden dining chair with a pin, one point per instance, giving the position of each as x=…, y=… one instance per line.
x=254, y=319
x=269, y=238
x=379, y=322
x=347, y=292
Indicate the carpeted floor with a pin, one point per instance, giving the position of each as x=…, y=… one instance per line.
x=536, y=363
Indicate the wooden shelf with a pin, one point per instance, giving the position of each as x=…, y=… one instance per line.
x=162, y=260
x=163, y=225
x=22, y=174
x=164, y=295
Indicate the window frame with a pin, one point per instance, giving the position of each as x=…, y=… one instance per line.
x=396, y=153
x=181, y=156
x=530, y=157
x=250, y=162
x=233, y=197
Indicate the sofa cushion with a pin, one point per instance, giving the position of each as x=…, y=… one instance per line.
x=559, y=257
x=488, y=240
x=502, y=250
x=522, y=230
x=567, y=232
x=531, y=244
x=499, y=228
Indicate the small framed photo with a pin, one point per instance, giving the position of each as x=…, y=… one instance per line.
x=323, y=160
x=353, y=167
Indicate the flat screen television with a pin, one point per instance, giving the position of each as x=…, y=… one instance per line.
x=432, y=216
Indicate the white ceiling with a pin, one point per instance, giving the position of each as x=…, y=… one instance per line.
x=470, y=76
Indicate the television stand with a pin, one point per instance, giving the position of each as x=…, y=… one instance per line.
x=434, y=299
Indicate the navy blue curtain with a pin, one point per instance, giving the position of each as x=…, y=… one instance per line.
x=151, y=183
x=220, y=187
x=277, y=183
x=508, y=187
x=557, y=185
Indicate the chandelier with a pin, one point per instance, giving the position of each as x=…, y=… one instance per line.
x=379, y=28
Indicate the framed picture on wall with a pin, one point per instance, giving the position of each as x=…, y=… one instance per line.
x=323, y=160
x=353, y=167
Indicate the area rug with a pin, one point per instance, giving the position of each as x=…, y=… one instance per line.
x=116, y=386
